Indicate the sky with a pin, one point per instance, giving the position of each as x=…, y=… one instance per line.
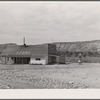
x=46, y=22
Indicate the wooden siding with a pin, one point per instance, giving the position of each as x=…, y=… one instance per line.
x=7, y=60
x=52, y=49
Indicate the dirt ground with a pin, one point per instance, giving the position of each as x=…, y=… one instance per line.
x=69, y=76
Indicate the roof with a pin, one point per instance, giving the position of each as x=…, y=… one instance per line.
x=26, y=51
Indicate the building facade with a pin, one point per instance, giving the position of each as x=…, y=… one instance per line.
x=30, y=54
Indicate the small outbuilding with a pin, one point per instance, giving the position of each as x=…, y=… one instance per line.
x=60, y=59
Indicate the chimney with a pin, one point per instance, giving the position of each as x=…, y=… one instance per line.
x=24, y=42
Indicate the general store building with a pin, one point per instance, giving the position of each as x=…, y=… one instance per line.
x=31, y=54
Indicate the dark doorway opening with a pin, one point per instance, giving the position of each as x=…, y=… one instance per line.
x=52, y=59
x=21, y=60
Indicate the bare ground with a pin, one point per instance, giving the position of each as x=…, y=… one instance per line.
x=69, y=76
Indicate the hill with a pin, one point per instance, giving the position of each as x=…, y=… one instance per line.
x=84, y=46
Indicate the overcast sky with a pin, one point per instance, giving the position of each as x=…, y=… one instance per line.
x=40, y=22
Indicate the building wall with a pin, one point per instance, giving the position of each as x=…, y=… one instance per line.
x=42, y=61
x=9, y=60
x=44, y=50
x=46, y=53
x=52, y=49
x=6, y=60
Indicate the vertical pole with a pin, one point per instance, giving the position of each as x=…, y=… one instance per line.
x=5, y=60
x=22, y=60
x=47, y=59
x=16, y=60
x=24, y=41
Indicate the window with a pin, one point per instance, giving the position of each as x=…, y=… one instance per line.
x=38, y=58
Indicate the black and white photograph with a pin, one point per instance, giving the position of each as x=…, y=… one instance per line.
x=49, y=45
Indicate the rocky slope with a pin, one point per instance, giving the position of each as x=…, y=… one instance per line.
x=79, y=46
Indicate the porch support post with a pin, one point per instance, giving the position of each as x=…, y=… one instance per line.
x=22, y=60
x=5, y=59
x=16, y=59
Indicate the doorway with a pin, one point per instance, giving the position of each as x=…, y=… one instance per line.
x=21, y=60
